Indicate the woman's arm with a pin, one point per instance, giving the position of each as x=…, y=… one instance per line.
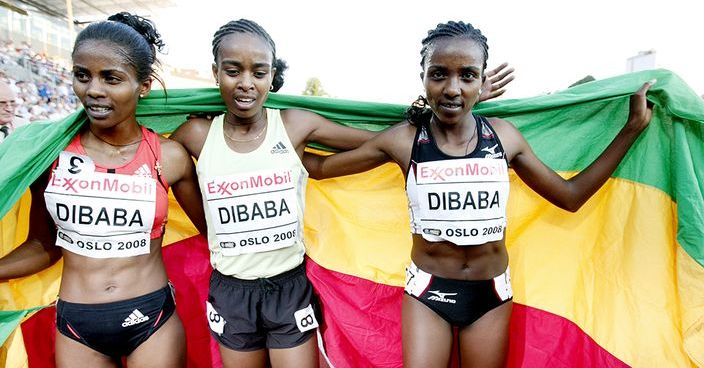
x=182, y=178
x=571, y=194
x=39, y=251
x=393, y=144
x=192, y=134
x=305, y=126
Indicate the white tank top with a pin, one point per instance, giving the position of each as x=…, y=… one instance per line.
x=253, y=202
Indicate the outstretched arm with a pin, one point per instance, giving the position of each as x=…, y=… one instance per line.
x=393, y=144
x=39, y=250
x=573, y=193
x=305, y=126
x=496, y=80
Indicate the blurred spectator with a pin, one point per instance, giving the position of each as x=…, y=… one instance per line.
x=8, y=120
x=42, y=85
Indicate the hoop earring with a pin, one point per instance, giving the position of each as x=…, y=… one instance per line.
x=271, y=87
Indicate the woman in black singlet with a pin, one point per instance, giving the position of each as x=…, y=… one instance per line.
x=456, y=173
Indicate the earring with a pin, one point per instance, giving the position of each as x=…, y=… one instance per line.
x=480, y=91
x=141, y=95
x=271, y=88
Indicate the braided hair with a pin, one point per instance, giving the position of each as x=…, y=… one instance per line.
x=137, y=39
x=419, y=111
x=251, y=27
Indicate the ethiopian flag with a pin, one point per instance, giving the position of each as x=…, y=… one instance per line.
x=618, y=283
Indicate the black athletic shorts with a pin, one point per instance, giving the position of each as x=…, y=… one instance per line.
x=459, y=302
x=116, y=329
x=275, y=313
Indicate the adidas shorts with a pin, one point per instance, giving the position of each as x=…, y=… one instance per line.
x=116, y=329
x=275, y=313
x=459, y=302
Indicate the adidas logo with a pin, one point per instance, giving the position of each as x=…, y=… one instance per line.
x=136, y=317
x=143, y=171
x=279, y=148
x=442, y=297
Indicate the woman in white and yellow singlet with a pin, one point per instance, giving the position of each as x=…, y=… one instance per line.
x=260, y=305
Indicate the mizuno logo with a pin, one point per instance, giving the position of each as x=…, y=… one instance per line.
x=136, y=317
x=143, y=171
x=279, y=148
x=490, y=152
x=441, y=297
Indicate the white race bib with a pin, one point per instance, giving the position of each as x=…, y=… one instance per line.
x=417, y=280
x=305, y=319
x=502, y=285
x=100, y=215
x=462, y=201
x=253, y=212
x=215, y=320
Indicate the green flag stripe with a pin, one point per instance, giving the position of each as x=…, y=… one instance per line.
x=9, y=320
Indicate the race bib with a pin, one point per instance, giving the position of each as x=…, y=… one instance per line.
x=215, y=320
x=253, y=212
x=417, y=280
x=305, y=319
x=100, y=215
x=462, y=201
x=502, y=285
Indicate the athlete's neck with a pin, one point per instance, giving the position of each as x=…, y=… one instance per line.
x=457, y=133
x=245, y=125
x=121, y=134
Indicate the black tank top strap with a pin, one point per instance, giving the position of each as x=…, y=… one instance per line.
x=420, y=137
x=489, y=141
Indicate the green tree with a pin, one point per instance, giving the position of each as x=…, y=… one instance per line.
x=314, y=88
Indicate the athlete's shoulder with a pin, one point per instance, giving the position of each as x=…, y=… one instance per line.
x=172, y=150
x=192, y=134
x=294, y=115
x=301, y=118
x=504, y=128
x=195, y=125
x=403, y=128
x=500, y=123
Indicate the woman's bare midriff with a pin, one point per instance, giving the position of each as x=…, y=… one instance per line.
x=447, y=260
x=92, y=280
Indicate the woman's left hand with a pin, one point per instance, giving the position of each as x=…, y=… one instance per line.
x=496, y=80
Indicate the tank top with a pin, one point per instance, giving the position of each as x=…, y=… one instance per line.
x=458, y=199
x=253, y=202
x=108, y=212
